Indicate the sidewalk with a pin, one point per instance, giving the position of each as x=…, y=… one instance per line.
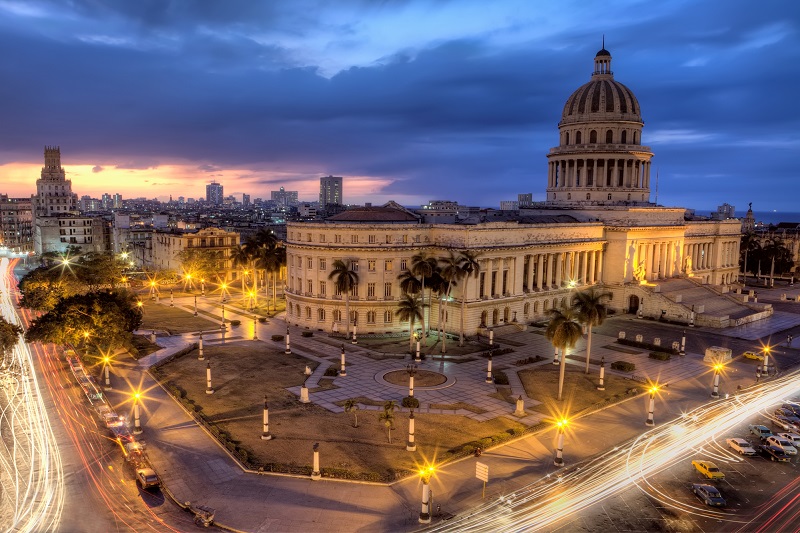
x=197, y=469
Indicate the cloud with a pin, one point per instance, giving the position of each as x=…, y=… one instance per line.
x=97, y=168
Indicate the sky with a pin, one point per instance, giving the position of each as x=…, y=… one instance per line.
x=408, y=100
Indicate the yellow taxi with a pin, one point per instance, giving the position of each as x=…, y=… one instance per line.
x=753, y=355
x=708, y=469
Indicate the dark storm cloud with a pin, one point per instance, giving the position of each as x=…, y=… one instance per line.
x=460, y=119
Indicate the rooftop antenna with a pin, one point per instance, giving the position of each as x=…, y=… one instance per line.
x=656, y=186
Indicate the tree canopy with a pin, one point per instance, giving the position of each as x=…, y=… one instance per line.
x=9, y=335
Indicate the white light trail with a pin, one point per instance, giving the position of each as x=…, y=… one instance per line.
x=31, y=472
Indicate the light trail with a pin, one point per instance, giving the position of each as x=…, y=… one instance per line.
x=546, y=502
x=31, y=472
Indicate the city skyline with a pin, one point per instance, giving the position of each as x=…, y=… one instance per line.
x=409, y=102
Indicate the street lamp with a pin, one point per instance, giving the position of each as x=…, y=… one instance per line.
x=255, y=323
x=171, y=298
x=427, y=496
x=106, y=365
x=562, y=426
x=650, y=420
x=223, y=288
x=765, y=370
x=140, y=305
x=715, y=388
x=412, y=370
x=137, y=426
x=153, y=289
x=343, y=368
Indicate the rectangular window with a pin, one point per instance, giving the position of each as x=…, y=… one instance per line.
x=321, y=237
x=354, y=266
x=371, y=265
x=416, y=238
x=387, y=317
x=405, y=239
x=505, y=281
x=388, y=239
x=310, y=287
x=322, y=288
x=387, y=290
x=370, y=290
x=372, y=239
x=387, y=265
x=482, y=284
x=308, y=237
x=354, y=292
x=310, y=263
x=337, y=238
x=403, y=264
x=354, y=239
x=494, y=283
x=322, y=263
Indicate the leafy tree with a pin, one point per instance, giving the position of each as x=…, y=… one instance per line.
x=774, y=250
x=749, y=251
x=9, y=335
x=43, y=287
x=108, y=317
x=271, y=257
x=591, y=312
x=563, y=331
x=240, y=258
x=344, y=279
x=200, y=264
x=471, y=268
x=409, y=309
x=98, y=270
x=351, y=406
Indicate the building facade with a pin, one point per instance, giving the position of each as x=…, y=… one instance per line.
x=167, y=245
x=16, y=223
x=214, y=193
x=597, y=227
x=330, y=192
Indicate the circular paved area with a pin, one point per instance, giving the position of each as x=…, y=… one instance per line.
x=423, y=380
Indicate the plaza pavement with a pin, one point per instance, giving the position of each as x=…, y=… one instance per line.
x=196, y=469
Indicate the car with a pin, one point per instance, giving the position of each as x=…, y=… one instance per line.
x=741, y=446
x=785, y=411
x=147, y=478
x=786, y=423
x=760, y=431
x=709, y=494
x=794, y=438
x=784, y=444
x=753, y=355
x=773, y=453
x=792, y=408
x=708, y=469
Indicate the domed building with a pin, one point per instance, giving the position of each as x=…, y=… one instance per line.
x=596, y=227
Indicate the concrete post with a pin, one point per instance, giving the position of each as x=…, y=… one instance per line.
x=520, y=410
x=355, y=340
x=691, y=318
x=288, y=343
x=200, y=355
x=489, y=378
x=304, y=394
x=683, y=343
x=411, y=446
x=137, y=426
x=153, y=337
x=343, y=368
x=491, y=338
x=209, y=390
x=265, y=434
x=602, y=386
x=307, y=371
x=650, y=420
x=315, y=473
x=195, y=305
x=222, y=324
x=202, y=287
x=425, y=511
x=559, y=459
x=715, y=388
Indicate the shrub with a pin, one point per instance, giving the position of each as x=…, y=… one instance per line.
x=262, y=319
x=307, y=334
x=277, y=338
x=235, y=322
x=661, y=356
x=331, y=371
x=243, y=455
x=410, y=402
x=528, y=360
x=647, y=345
x=623, y=366
x=500, y=377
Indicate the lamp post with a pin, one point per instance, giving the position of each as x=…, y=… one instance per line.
x=765, y=369
x=427, y=497
x=200, y=355
x=209, y=390
x=222, y=324
x=137, y=426
x=107, y=365
x=602, y=386
x=222, y=289
x=355, y=340
x=171, y=299
x=255, y=324
x=715, y=386
x=202, y=286
x=412, y=370
x=288, y=349
x=195, y=305
x=650, y=420
x=265, y=434
x=491, y=339
x=559, y=459
x=342, y=366
x=152, y=290
x=489, y=378
x=411, y=446
x=683, y=343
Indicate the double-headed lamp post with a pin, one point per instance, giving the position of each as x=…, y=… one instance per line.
x=427, y=496
x=652, y=405
x=715, y=387
x=137, y=426
x=107, y=366
x=412, y=370
x=765, y=369
x=561, y=424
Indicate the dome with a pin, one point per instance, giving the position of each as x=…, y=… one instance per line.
x=603, y=98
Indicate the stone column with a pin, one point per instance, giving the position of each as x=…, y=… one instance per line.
x=530, y=272
x=592, y=257
x=600, y=259
x=559, y=261
x=539, y=270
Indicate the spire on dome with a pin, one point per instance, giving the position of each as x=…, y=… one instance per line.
x=602, y=60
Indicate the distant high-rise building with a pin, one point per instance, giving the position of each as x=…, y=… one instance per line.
x=330, y=191
x=245, y=200
x=509, y=205
x=214, y=194
x=105, y=201
x=284, y=197
x=117, y=201
x=525, y=199
x=724, y=212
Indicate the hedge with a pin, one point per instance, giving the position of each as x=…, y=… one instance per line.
x=500, y=377
x=277, y=338
x=307, y=334
x=623, y=366
x=410, y=402
x=331, y=371
x=647, y=346
x=661, y=356
x=235, y=322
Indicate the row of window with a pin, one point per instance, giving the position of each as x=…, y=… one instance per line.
x=323, y=288
x=593, y=135
x=354, y=238
x=322, y=264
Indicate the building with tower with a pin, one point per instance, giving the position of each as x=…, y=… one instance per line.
x=597, y=227
x=330, y=192
x=54, y=194
x=214, y=193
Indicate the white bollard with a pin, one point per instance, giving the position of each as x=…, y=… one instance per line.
x=489, y=378
x=315, y=473
x=425, y=512
x=288, y=349
x=520, y=410
x=602, y=386
x=355, y=340
x=304, y=394
x=307, y=371
x=343, y=368
x=137, y=426
x=559, y=460
x=411, y=446
x=491, y=338
x=108, y=377
x=200, y=355
x=265, y=434
x=209, y=390
x=417, y=359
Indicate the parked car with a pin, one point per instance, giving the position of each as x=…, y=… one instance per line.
x=773, y=453
x=147, y=478
x=762, y=432
x=785, y=411
x=753, y=355
x=709, y=494
x=786, y=423
x=794, y=438
x=708, y=469
x=741, y=446
x=792, y=407
x=784, y=444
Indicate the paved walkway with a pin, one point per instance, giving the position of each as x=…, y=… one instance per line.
x=197, y=469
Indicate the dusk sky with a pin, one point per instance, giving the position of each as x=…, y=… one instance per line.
x=408, y=100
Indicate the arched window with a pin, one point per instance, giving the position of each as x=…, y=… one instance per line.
x=289, y=309
x=569, y=196
x=526, y=309
x=624, y=139
x=506, y=314
x=535, y=307
x=592, y=137
x=578, y=138
x=337, y=315
x=495, y=316
x=588, y=196
x=354, y=317
x=297, y=310
x=308, y=313
x=370, y=317
x=609, y=137
x=321, y=315
x=567, y=138
x=555, y=303
x=387, y=317
x=546, y=306
x=484, y=316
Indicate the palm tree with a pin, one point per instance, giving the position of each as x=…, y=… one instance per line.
x=592, y=312
x=423, y=267
x=563, y=331
x=409, y=283
x=351, y=406
x=344, y=279
x=451, y=273
x=271, y=257
x=241, y=258
x=390, y=406
x=436, y=284
x=387, y=417
x=471, y=268
x=409, y=309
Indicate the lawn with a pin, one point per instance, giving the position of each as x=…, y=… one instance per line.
x=580, y=390
x=243, y=373
x=174, y=320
